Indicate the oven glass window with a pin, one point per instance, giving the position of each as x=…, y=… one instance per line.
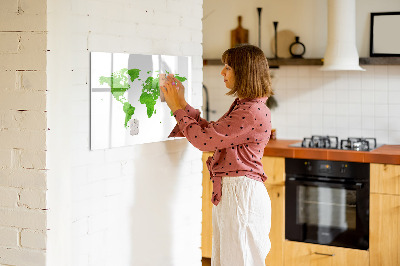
x=327, y=207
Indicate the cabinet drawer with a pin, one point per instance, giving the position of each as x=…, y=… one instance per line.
x=304, y=254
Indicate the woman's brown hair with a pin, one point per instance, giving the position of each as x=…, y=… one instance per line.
x=250, y=66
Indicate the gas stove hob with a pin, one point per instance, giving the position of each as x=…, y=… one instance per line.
x=332, y=142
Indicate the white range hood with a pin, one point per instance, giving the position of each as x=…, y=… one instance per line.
x=341, y=51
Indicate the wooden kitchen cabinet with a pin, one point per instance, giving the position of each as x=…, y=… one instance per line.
x=305, y=254
x=274, y=168
x=206, y=225
x=384, y=215
x=277, y=233
x=384, y=236
x=385, y=178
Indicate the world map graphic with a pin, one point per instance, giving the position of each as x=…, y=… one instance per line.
x=119, y=83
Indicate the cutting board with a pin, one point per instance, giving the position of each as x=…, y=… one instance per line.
x=239, y=35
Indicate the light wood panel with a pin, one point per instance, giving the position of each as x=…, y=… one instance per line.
x=304, y=254
x=277, y=233
x=206, y=232
x=384, y=230
x=274, y=168
x=385, y=178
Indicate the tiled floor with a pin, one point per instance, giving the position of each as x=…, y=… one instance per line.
x=206, y=261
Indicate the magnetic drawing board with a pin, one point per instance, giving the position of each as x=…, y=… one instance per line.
x=126, y=107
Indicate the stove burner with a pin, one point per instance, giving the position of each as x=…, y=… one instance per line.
x=328, y=142
x=358, y=144
x=332, y=142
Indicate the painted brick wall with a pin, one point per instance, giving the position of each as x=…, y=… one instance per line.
x=23, y=125
x=138, y=205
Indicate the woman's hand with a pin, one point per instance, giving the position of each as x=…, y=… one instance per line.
x=172, y=90
x=181, y=92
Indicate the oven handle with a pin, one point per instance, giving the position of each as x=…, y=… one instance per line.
x=357, y=185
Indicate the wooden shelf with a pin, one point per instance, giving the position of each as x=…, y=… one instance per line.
x=380, y=61
x=212, y=62
x=274, y=63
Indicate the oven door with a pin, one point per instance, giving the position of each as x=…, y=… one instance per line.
x=327, y=213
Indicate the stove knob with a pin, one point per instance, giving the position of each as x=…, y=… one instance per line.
x=308, y=166
x=343, y=168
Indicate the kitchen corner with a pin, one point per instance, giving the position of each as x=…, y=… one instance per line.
x=381, y=193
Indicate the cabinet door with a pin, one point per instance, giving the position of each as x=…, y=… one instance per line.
x=206, y=226
x=385, y=178
x=277, y=233
x=274, y=168
x=304, y=254
x=384, y=230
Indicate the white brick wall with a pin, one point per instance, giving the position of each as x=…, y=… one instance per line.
x=33, y=239
x=8, y=197
x=9, y=237
x=23, y=126
x=111, y=207
x=138, y=205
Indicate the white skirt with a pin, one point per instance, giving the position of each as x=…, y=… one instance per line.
x=241, y=223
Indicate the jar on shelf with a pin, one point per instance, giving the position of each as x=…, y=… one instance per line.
x=297, y=49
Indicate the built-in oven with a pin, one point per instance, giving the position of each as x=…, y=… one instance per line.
x=327, y=202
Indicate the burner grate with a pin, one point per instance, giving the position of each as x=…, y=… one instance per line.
x=358, y=144
x=332, y=142
x=327, y=142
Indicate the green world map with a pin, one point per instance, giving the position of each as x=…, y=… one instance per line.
x=119, y=83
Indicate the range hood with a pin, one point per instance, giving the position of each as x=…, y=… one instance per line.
x=341, y=51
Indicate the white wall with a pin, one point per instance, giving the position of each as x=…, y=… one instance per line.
x=311, y=102
x=23, y=133
x=343, y=104
x=306, y=19
x=138, y=205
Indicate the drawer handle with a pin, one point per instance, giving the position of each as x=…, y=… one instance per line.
x=324, y=254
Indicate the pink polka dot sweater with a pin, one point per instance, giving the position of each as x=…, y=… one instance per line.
x=238, y=139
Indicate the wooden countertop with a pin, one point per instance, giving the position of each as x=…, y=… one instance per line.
x=389, y=154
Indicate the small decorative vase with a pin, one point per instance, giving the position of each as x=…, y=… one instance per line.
x=297, y=49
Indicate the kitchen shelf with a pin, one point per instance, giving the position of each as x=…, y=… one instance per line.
x=274, y=63
x=380, y=61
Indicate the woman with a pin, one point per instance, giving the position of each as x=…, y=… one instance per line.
x=242, y=208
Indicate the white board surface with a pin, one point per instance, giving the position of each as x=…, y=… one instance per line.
x=126, y=108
